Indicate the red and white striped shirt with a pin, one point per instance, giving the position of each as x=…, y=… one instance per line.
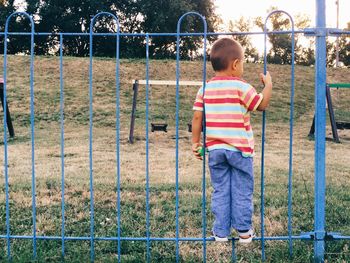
x=228, y=102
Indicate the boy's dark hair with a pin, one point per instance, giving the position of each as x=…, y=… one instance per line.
x=223, y=52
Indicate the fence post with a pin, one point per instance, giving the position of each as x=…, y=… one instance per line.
x=320, y=128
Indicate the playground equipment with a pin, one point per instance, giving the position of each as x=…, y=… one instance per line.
x=334, y=124
x=155, y=126
x=318, y=234
x=6, y=110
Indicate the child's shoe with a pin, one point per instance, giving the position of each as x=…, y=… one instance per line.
x=219, y=239
x=246, y=237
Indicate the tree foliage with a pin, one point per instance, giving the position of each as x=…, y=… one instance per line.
x=244, y=25
x=163, y=15
x=15, y=43
x=344, y=49
x=281, y=44
x=155, y=16
x=135, y=16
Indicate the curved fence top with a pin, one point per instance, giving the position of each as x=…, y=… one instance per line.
x=275, y=12
x=195, y=14
x=104, y=14
x=266, y=32
x=20, y=14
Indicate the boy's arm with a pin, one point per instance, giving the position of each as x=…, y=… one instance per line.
x=266, y=92
x=196, y=133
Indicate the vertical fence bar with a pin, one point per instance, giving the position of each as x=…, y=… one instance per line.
x=32, y=135
x=291, y=125
x=320, y=134
x=262, y=183
x=31, y=81
x=177, y=141
x=204, y=200
x=291, y=118
x=177, y=132
x=117, y=134
x=117, y=77
x=62, y=146
x=7, y=203
x=147, y=151
x=92, y=247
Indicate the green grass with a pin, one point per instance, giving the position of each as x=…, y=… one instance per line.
x=162, y=165
x=162, y=212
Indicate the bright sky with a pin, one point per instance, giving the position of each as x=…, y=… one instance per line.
x=233, y=10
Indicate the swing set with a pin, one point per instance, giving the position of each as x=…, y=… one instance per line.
x=342, y=124
x=155, y=125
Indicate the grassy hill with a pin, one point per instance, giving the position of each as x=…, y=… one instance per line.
x=162, y=99
x=161, y=163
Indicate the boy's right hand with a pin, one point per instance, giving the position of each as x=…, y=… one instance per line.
x=266, y=79
x=195, y=150
x=266, y=92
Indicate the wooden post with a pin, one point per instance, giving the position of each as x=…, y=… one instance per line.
x=331, y=115
x=135, y=88
x=8, y=115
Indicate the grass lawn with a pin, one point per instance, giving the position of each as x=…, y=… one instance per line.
x=162, y=172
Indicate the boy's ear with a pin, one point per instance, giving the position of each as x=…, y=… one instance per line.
x=234, y=64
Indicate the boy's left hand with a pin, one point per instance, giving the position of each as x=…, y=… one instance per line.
x=195, y=148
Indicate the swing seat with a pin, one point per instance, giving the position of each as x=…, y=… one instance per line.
x=341, y=125
x=159, y=127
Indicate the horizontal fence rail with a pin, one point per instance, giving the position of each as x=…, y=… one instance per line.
x=319, y=236
x=156, y=34
x=305, y=31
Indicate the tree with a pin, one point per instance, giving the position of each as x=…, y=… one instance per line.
x=15, y=43
x=162, y=16
x=243, y=25
x=344, y=49
x=281, y=44
x=64, y=16
x=135, y=16
x=306, y=55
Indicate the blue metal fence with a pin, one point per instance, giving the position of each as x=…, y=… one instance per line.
x=291, y=118
x=319, y=235
x=177, y=132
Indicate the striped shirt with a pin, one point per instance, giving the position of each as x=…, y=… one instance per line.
x=228, y=103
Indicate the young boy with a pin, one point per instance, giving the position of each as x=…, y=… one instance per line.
x=228, y=101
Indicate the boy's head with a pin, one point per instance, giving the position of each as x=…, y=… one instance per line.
x=227, y=57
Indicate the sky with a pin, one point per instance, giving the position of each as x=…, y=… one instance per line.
x=233, y=10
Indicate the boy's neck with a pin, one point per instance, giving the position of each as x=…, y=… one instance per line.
x=226, y=74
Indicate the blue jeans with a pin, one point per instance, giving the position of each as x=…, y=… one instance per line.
x=233, y=182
